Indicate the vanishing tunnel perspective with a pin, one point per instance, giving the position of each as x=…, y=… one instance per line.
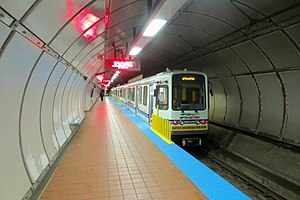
x=57, y=58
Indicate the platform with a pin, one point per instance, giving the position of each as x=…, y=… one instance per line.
x=111, y=158
x=115, y=155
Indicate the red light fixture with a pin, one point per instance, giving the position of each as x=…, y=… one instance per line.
x=175, y=122
x=203, y=121
x=100, y=78
x=106, y=18
x=84, y=23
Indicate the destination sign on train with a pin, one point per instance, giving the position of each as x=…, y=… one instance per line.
x=190, y=78
x=128, y=65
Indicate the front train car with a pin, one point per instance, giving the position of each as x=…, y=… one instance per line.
x=183, y=100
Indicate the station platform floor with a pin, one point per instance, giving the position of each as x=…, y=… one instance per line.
x=116, y=156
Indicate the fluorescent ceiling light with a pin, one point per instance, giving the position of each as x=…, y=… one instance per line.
x=135, y=51
x=154, y=26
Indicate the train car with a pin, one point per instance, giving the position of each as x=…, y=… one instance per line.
x=180, y=97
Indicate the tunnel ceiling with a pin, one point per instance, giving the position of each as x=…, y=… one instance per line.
x=196, y=29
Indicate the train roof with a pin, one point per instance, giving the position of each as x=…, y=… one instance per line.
x=152, y=79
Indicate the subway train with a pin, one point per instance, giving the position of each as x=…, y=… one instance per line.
x=181, y=97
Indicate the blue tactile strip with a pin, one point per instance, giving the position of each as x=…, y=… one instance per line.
x=210, y=183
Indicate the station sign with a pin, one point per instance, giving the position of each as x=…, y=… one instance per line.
x=123, y=65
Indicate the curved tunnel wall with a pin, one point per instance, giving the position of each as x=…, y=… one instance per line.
x=44, y=92
x=256, y=91
x=40, y=99
x=255, y=84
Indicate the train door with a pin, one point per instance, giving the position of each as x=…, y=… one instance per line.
x=136, y=99
x=151, y=101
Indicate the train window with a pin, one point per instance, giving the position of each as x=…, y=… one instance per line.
x=188, y=92
x=130, y=94
x=140, y=94
x=133, y=94
x=123, y=92
x=145, y=95
x=162, y=97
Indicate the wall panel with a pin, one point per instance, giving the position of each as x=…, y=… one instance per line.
x=71, y=109
x=76, y=112
x=16, y=64
x=233, y=101
x=57, y=109
x=49, y=135
x=250, y=104
x=32, y=143
x=79, y=98
x=220, y=100
x=292, y=83
x=211, y=108
x=87, y=99
x=64, y=108
x=272, y=104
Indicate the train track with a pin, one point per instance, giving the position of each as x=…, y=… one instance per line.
x=231, y=173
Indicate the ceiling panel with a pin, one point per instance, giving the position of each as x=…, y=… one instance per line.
x=231, y=59
x=172, y=45
x=247, y=51
x=210, y=25
x=195, y=37
x=222, y=10
x=294, y=32
x=48, y=17
x=72, y=31
x=16, y=8
x=4, y=30
x=267, y=7
x=75, y=48
x=97, y=43
x=124, y=30
x=212, y=61
x=289, y=16
x=279, y=49
x=121, y=12
x=91, y=57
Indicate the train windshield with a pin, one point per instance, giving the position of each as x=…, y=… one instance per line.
x=188, y=92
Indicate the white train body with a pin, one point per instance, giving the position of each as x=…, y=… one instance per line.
x=178, y=96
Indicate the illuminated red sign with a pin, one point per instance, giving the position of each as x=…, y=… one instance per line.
x=122, y=64
x=130, y=65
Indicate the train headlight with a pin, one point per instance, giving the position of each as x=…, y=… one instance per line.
x=175, y=122
x=181, y=122
x=197, y=122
